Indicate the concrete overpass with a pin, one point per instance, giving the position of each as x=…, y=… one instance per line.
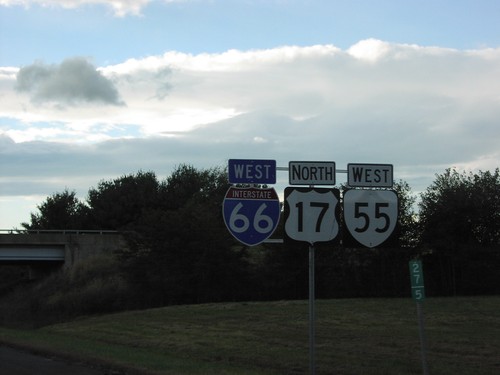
x=56, y=247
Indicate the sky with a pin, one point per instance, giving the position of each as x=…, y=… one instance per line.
x=92, y=90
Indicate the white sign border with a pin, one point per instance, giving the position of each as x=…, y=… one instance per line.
x=371, y=185
x=311, y=182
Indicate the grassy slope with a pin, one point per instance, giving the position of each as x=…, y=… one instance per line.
x=353, y=336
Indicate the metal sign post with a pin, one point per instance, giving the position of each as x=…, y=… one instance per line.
x=312, y=314
x=311, y=215
x=418, y=294
x=423, y=341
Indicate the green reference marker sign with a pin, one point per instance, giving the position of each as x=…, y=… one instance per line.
x=417, y=280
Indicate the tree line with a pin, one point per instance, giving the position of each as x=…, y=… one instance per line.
x=179, y=250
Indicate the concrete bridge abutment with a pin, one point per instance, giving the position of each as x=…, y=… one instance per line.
x=66, y=248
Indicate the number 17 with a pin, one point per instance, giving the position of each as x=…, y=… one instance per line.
x=300, y=206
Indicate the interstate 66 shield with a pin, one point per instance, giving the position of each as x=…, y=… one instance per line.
x=251, y=214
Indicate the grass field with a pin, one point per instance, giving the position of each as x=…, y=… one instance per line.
x=353, y=336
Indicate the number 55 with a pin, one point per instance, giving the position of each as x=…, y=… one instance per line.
x=358, y=206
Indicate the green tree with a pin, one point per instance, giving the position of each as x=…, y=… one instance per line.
x=461, y=209
x=180, y=250
x=408, y=233
x=119, y=203
x=486, y=194
x=460, y=228
x=60, y=211
x=187, y=184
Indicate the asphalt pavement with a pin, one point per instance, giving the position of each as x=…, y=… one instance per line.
x=19, y=362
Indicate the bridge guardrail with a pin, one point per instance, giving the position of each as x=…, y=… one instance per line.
x=57, y=231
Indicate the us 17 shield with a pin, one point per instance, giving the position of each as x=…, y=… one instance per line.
x=311, y=214
x=370, y=216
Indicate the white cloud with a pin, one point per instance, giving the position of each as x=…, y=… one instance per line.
x=370, y=49
x=422, y=109
x=232, y=60
x=120, y=7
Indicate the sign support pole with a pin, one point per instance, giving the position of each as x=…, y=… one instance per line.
x=418, y=294
x=312, y=315
x=423, y=344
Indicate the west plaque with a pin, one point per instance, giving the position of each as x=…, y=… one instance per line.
x=370, y=175
x=251, y=171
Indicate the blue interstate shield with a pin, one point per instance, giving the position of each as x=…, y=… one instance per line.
x=251, y=214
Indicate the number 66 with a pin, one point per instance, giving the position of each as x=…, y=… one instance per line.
x=259, y=217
